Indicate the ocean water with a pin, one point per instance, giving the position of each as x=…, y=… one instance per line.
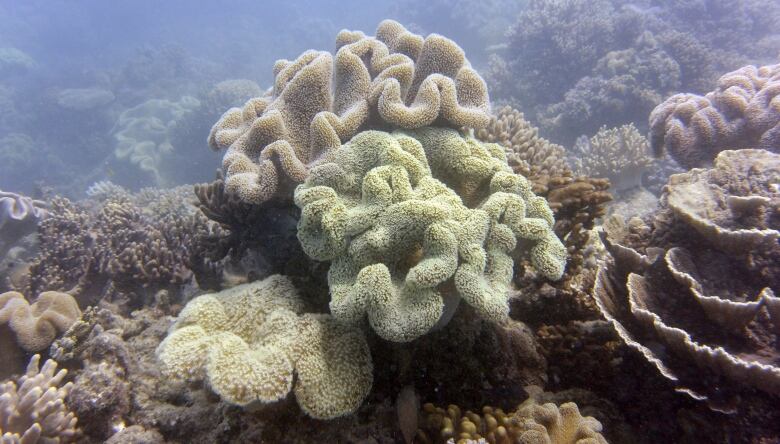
x=443, y=221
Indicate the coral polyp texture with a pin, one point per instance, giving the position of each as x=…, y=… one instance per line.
x=531, y=423
x=33, y=410
x=620, y=154
x=249, y=341
x=396, y=79
x=743, y=112
x=415, y=221
x=36, y=325
x=701, y=280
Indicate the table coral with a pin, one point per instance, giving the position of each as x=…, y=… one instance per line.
x=247, y=342
x=415, y=221
x=701, y=280
x=743, y=112
x=33, y=410
x=319, y=101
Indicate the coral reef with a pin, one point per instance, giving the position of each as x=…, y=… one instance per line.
x=405, y=247
x=532, y=422
x=230, y=93
x=143, y=133
x=14, y=61
x=132, y=244
x=320, y=101
x=248, y=341
x=33, y=409
x=36, y=325
x=620, y=154
x=741, y=113
x=528, y=154
x=19, y=216
x=83, y=99
x=694, y=291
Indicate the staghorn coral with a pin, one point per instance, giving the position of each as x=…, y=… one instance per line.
x=405, y=247
x=143, y=133
x=33, y=410
x=36, y=325
x=531, y=423
x=528, y=154
x=701, y=280
x=743, y=112
x=396, y=79
x=619, y=154
x=248, y=341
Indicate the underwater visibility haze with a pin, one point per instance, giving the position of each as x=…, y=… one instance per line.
x=442, y=221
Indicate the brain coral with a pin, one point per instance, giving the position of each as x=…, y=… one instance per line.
x=695, y=293
x=247, y=342
x=415, y=221
x=319, y=101
x=743, y=112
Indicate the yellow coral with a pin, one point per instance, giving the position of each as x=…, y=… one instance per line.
x=247, y=343
x=398, y=237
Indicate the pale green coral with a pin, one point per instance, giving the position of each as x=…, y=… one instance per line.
x=407, y=238
x=247, y=343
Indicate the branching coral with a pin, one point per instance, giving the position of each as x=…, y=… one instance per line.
x=743, y=112
x=247, y=342
x=528, y=154
x=319, y=101
x=33, y=410
x=701, y=281
x=619, y=154
x=36, y=325
x=415, y=221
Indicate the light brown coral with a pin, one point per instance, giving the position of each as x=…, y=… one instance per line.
x=527, y=153
x=701, y=281
x=33, y=410
x=531, y=423
x=37, y=325
x=743, y=112
x=320, y=101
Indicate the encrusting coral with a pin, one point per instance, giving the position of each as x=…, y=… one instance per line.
x=36, y=325
x=247, y=342
x=415, y=221
x=743, y=112
x=531, y=423
x=396, y=79
x=33, y=410
x=701, y=280
x=619, y=154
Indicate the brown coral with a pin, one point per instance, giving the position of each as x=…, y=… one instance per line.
x=743, y=112
x=320, y=101
x=701, y=280
x=37, y=325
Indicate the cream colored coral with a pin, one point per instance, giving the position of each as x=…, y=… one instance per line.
x=620, y=154
x=551, y=424
x=33, y=410
x=320, y=101
x=398, y=233
x=37, y=325
x=247, y=343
